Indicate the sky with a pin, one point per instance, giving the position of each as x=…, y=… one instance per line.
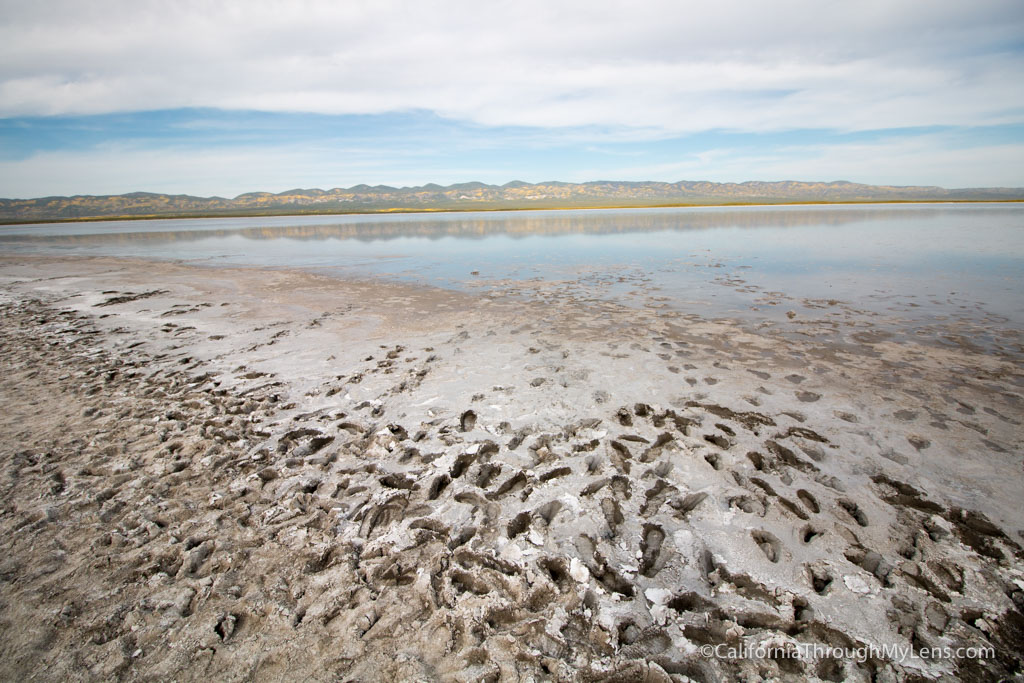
x=219, y=98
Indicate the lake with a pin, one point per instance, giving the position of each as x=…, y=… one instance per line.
x=912, y=265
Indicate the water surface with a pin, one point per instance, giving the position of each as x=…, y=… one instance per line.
x=914, y=264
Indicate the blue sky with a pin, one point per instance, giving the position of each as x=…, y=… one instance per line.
x=223, y=98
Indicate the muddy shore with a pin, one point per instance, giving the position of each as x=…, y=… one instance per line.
x=253, y=473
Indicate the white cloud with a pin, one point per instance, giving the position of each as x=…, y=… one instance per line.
x=663, y=65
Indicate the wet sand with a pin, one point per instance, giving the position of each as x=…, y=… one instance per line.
x=253, y=473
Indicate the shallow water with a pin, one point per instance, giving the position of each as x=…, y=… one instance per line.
x=909, y=263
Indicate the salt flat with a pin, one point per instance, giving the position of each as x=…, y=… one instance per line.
x=258, y=472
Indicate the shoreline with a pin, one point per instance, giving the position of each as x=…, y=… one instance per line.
x=302, y=475
x=514, y=209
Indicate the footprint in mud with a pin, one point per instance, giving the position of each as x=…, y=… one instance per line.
x=758, y=461
x=891, y=454
x=439, y=484
x=599, y=569
x=809, y=533
x=846, y=417
x=764, y=486
x=518, y=524
x=620, y=485
x=555, y=473
x=714, y=460
x=994, y=446
x=719, y=440
x=486, y=475
x=802, y=611
x=547, y=511
x=685, y=505
x=628, y=632
x=852, y=509
x=461, y=464
x=821, y=579
x=919, y=442
x=808, y=500
x=949, y=574
x=871, y=562
x=595, y=486
x=557, y=570
x=748, y=504
x=620, y=456
x=788, y=457
x=769, y=544
x=793, y=507
x=965, y=409
x=467, y=421
x=650, y=549
x=1004, y=418
x=656, y=449
x=227, y=626
x=655, y=496
x=624, y=417
x=813, y=451
x=514, y=483
x=807, y=396
x=795, y=379
x=612, y=515
x=594, y=463
x=905, y=415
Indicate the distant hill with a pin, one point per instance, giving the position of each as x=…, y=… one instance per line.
x=479, y=196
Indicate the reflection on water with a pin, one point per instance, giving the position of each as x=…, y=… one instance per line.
x=913, y=261
x=476, y=224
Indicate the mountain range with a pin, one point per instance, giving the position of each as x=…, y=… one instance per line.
x=479, y=196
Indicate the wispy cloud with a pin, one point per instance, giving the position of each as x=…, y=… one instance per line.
x=679, y=68
x=269, y=94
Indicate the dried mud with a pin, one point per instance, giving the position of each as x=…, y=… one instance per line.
x=268, y=475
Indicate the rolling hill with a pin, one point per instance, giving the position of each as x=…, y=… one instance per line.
x=479, y=196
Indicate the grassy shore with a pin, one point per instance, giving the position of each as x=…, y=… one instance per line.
x=487, y=207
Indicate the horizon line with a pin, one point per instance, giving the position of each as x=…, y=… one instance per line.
x=478, y=184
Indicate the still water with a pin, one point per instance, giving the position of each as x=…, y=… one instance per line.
x=912, y=262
